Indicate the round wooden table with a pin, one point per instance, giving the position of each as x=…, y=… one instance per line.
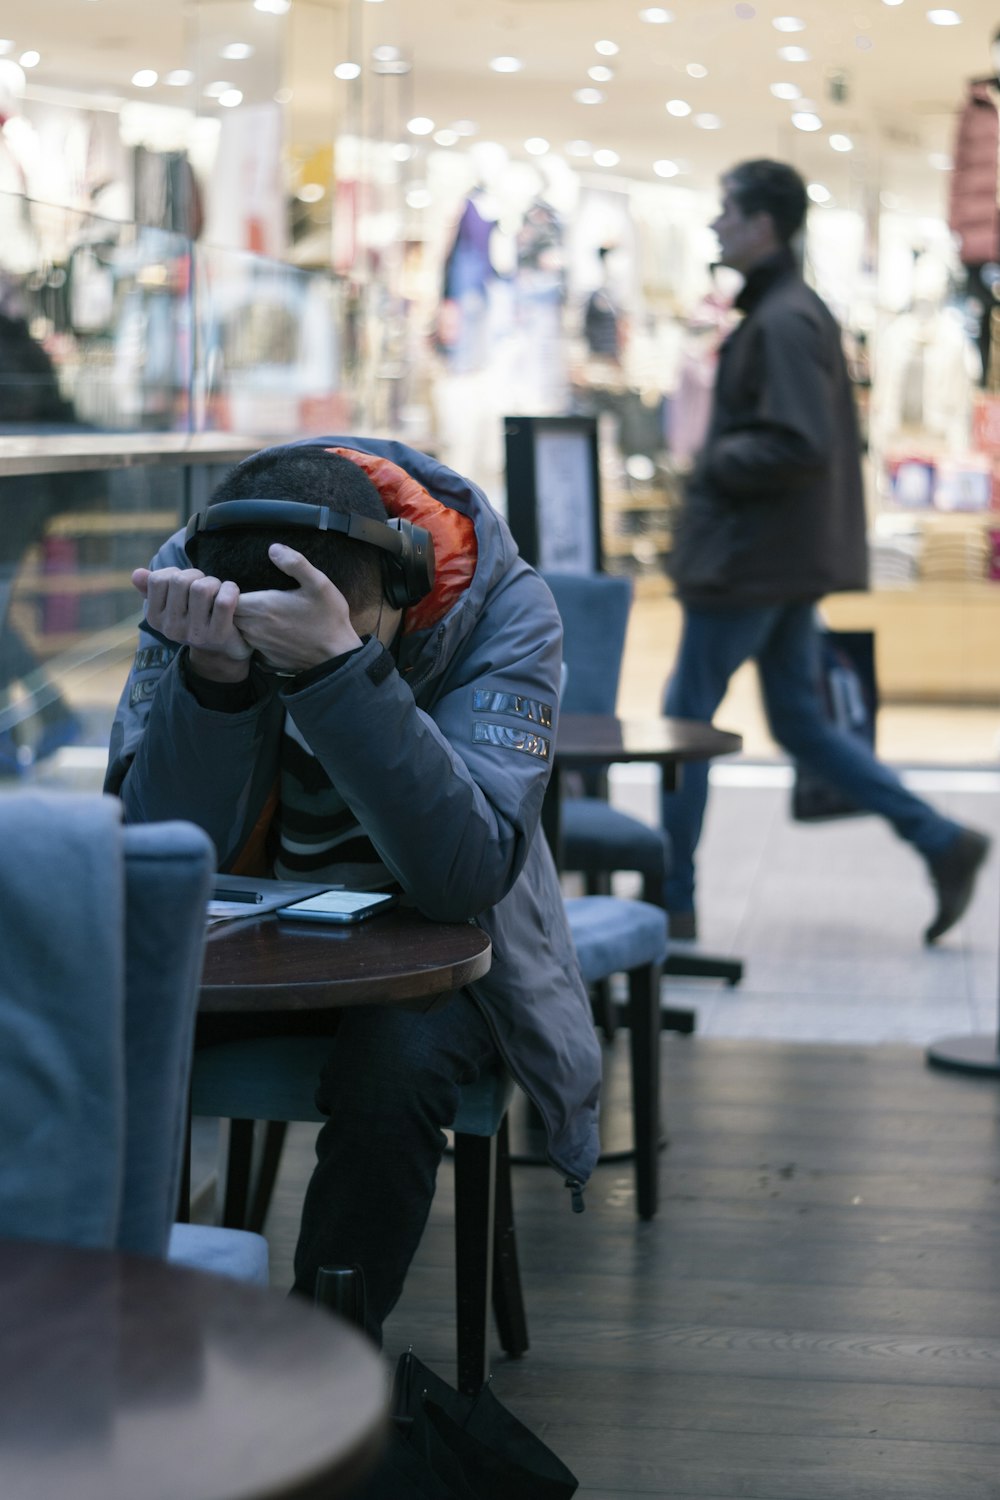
x=125, y=1378
x=271, y=964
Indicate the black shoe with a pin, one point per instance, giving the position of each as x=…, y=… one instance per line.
x=683, y=926
x=953, y=875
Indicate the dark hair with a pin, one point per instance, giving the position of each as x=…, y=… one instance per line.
x=317, y=478
x=770, y=187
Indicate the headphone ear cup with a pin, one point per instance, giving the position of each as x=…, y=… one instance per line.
x=394, y=583
x=409, y=577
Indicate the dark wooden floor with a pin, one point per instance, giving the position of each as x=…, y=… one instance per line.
x=814, y=1315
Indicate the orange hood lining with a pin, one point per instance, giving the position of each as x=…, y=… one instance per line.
x=454, y=535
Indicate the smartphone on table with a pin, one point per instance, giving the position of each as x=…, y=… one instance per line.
x=339, y=906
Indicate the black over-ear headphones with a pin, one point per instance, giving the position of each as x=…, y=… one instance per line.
x=409, y=550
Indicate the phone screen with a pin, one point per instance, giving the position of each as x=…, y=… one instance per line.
x=339, y=906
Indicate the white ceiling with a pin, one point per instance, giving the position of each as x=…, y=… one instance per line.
x=904, y=78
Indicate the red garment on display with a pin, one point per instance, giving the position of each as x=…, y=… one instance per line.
x=973, y=212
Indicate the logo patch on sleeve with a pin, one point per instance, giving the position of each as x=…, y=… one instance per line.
x=532, y=709
x=142, y=692
x=151, y=657
x=510, y=738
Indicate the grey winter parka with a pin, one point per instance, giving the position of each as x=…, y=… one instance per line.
x=774, y=507
x=444, y=761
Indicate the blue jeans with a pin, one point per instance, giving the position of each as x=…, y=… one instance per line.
x=391, y=1088
x=783, y=640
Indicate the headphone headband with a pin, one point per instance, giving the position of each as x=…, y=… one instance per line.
x=409, y=573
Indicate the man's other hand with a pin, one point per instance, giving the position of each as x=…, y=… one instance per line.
x=197, y=612
x=296, y=629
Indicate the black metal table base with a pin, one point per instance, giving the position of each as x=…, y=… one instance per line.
x=703, y=966
x=967, y=1054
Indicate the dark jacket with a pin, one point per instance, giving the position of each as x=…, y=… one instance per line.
x=774, y=508
x=443, y=757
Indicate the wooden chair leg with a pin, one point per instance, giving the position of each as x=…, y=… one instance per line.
x=508, y=1301
x=475, y=1175
x=234, y=1208
x=267, y=1173
x=644, y=1043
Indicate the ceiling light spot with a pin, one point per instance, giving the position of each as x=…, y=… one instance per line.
x=311, y=192
x=708, y=122
x=179, y=78
x=506, y=64
x=30, y=59
x=446, y=137
x=144, y=79
x=273, y=7
x=536, y=145
x=231, y=98
x=606, y=49
x=818, y=193
x=944, y=18
x=402, y=152
x=655, y=15
x=419, y=196
x=793, y=54
x=841, y=143
x=892, y=2
x=579, y=148
x=696, y=70
x=588, y=96
x=237, y=51
x=600, y=74
x=788, y=23
x=666, y=168
x=606, y=158
x=803, y=119
x=5, y=46
x=420, y=125
x=786, y=91
x=347, y=70
x=678, y=107
x=216, y=90
x=385, y=54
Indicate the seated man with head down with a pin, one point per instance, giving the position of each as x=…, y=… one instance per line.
x=330, y=705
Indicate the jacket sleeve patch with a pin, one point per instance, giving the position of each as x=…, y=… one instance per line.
x=153, y=657
x=510, y=738
x=142, y=691
x=536, y=712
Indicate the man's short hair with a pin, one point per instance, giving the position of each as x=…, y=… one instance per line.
x=770, y=187
x=314, y=477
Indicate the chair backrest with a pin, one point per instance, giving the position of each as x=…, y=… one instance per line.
x=101, y=934
x=595, y=610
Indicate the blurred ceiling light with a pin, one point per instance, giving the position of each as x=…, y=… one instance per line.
x=231, y=98
x=804, y=120
x=30, y=59
x=818, y=193
x=536, y=145
x=600, y=74
x=273, y=7
x=579, y=148
x=892, y=2
x=944, y=18
x=5, y=46
x=506, y=64
x=678, y=107
x=420, y=125
x=311, y=192
x=708, y=122
x=793, y=54
x=446, y=137
x=237, y=51
x=588, y=96
x=655, y=15
x=402, y=152
x=696, y=70
x=606, y=158
x=216, y=90
x=607, y=49
x=786, y=91
x=385, y=54
x=347, y=70
x=841, y=143
x=179, y=78
x=419, y=196
x=788, y=23
x=665, y=168
x=144, y=79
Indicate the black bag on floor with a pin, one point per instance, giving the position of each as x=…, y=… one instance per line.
x=849, y=694
x=446, y=1446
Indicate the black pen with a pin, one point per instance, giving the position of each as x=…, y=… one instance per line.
x=250, y=897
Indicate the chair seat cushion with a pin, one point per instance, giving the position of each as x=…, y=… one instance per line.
x=275, y=1078
x=223, y=1252
x=596, y=836
x=612, y=935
